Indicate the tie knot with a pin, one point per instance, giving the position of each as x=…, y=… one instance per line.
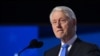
x=64, y=50
x=65, y=46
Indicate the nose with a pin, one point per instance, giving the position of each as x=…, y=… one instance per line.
x=58, y=25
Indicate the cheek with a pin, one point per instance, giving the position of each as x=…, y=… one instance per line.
x=65, y=26
x=67, y=29
x=70, y=27
x=54, y=28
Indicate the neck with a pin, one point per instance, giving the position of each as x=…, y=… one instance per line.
x=67, y=38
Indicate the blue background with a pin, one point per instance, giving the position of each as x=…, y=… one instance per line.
x=13, y=38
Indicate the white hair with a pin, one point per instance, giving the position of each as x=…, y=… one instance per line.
x=68, y=11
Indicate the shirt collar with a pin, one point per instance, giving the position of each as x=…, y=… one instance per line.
x=71, y=41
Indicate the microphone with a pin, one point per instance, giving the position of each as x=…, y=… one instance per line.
x=34, y=43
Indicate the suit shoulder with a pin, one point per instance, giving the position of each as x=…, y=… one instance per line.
x=88, y=45
x=89, y=49
x=52, y=50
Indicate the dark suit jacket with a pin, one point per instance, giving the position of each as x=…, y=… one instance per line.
x=79, y=48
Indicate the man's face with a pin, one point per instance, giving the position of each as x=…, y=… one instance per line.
x=62, y=25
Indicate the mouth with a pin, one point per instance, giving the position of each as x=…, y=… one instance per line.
x=59, y=30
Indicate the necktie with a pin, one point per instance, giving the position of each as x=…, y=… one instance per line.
x=64, y=50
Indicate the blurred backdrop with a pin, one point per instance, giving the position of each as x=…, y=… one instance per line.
x=22, y=21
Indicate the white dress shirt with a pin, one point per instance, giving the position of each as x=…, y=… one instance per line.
x=70, y=42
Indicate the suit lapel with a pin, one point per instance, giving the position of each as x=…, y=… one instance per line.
x=75, y=48
x=56, y=51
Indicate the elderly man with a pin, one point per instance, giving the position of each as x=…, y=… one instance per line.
x=63, y=21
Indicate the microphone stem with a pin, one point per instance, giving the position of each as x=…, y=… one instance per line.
x=22, y=51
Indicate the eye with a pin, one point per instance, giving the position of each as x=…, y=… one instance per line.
x=63, y=20
x=53, y=22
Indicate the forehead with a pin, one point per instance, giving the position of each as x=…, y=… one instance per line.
x=58, y=14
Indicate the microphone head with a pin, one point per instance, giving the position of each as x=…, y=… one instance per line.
x=35, y=44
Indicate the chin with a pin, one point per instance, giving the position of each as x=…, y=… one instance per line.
x=59, y=37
